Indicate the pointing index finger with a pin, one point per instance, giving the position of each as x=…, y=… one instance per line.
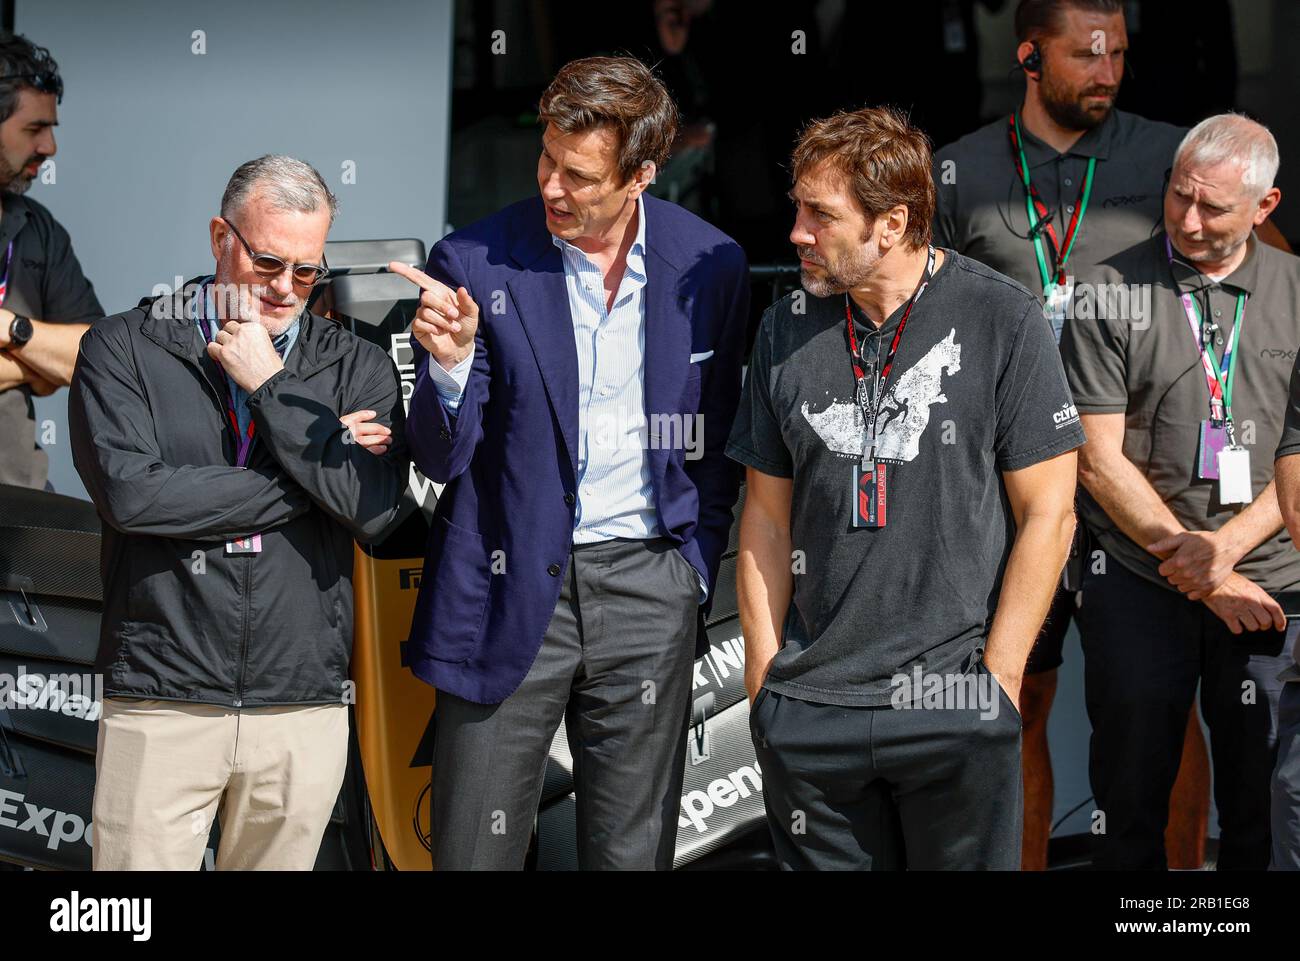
x=417, y=277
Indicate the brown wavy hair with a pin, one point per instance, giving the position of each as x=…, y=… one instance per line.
x=619, y=93
x=886, y=159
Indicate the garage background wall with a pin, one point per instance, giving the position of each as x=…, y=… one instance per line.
x=155, y=118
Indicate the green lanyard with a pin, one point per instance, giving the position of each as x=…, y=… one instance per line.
x=1039, y=218
x=1234, y=340
x=1220, y=387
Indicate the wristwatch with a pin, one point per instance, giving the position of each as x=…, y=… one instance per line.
x=20, y=331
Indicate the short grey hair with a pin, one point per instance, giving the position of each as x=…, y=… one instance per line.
x=1233, y=137
x=288, y=183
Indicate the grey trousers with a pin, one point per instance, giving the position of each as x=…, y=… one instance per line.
x=616, y=664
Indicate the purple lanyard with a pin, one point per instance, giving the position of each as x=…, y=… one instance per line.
x=245, y=443
x=4, y=281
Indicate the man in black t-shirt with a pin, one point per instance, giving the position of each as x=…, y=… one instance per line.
x=883, y=656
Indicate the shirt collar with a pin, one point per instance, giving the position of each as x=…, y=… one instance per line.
x=635, y=254
x=1094, y=143
x=15, y=215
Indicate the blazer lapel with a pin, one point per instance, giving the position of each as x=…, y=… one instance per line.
x=542, y=299
x=667, y=344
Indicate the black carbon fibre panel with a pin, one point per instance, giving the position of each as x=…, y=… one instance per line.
x=65, y=629
x=52, y=702
x=45, y=801
x=49, y=544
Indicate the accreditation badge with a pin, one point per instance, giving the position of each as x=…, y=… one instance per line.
x=1056, y=304
x=1234, y=475
x=1214, y=438
x=869, y=495
x=252, y=544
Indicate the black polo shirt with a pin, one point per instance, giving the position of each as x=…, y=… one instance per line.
x=45, y=283
x=981, y=199
x=1150, y=371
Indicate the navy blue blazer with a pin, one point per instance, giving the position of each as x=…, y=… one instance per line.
x=503, y=527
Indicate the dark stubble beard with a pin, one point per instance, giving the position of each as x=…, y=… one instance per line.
x=1068, y=111
x=14, y=181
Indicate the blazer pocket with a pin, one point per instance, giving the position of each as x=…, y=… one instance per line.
x=690, y=404
x=454, y=591
x=704, y=355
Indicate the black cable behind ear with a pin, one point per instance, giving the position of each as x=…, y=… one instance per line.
x=1033, y=62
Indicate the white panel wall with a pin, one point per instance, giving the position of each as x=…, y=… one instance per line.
x=155, y=118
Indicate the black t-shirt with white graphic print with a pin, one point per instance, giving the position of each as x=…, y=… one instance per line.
x=977, y=389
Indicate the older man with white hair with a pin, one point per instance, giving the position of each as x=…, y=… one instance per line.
x=1178, y=355
x=209, y=427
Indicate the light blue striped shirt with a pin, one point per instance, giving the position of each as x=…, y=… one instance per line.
x=615, y=489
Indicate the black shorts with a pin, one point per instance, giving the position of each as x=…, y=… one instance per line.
x=1046, y=655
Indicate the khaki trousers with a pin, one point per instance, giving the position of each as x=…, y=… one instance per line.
x=164, y=769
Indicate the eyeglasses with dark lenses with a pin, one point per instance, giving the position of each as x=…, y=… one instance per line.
x=46, y=81
x=269, y=265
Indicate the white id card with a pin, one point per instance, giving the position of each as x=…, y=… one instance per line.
x=1056, y=305
x=1234, y=475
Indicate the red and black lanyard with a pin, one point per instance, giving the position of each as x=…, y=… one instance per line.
x=1040, y=220
x=870, y=405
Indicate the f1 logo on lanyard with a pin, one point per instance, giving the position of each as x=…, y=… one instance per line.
x=870, y=479
x=869, y=509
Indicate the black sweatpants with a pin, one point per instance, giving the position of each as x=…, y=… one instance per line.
x=1286, y=782
x=1145, y=648
x=884, y=788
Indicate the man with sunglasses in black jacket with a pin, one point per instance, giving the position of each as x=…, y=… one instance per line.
x=209, y=428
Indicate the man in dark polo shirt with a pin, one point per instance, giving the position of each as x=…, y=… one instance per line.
x=1178, y=355
x=46, y=302
x=1095, y=177
x=892, y=578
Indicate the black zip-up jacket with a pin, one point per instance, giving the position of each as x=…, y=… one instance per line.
x=183, y=619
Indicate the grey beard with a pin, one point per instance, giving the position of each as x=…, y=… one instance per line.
x=240, y=301
x=17, y=184
x=854, y=271
x=1216, y=252
x=279, y=327
x=826, y=287
x=12, y=180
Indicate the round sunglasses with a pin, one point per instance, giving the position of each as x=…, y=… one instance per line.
x=269, y=265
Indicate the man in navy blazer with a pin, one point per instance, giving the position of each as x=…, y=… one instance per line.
x=578, y=360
